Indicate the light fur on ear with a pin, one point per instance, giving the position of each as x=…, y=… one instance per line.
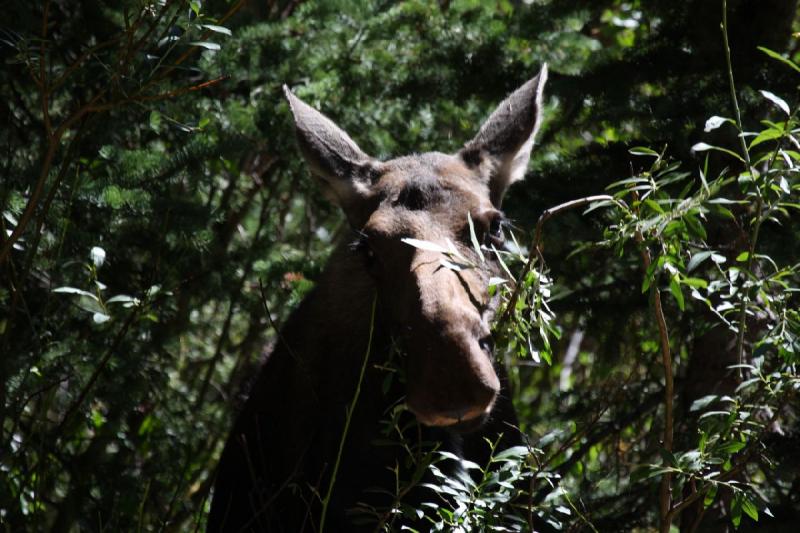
x=333, y=157
x=503, y=144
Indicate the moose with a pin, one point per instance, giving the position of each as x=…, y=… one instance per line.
x=381, y=298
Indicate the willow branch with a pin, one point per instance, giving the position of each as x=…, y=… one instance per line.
x=535, y=245
x=665, y=490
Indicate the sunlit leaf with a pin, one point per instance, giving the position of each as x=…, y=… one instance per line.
x=474, y=237
x=73, y=290
x=677, y=293
x=643, y=150
x=702, y=147
x=749, y=508
x=100, y=318
x=425, y=245
x=698, y=258
x=206, y=44
x=736, y=510
x=778, y=101
x=217, y=29
x=715, y=122
x=710, y=495
x=777, y=56
x=98, y=256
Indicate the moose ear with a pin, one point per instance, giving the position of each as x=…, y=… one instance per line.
x=334, y=158
x=503, y=145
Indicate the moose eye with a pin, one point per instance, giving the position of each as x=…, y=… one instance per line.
x=361, y=246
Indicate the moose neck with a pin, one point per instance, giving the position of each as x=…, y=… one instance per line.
x=331, y=329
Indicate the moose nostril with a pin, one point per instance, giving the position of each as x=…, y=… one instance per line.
x=487, y=344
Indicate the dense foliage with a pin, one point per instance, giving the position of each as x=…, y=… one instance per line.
x=150, y=186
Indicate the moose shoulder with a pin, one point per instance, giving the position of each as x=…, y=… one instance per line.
x=380, y=296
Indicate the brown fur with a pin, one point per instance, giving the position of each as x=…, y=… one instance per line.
x=285, y=440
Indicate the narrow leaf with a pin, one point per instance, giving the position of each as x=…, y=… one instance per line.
x=122, y=298
x=715, y=122
x=736, y=511
x=99, y=318
x=749, y=508
x=703, y=147
x=206, y=44
x=473, y=236
x=218, y=29
x=710, y=495
x=425, y=245
x=642, y=150
x=73, y=290
x=777, y=56
x=675, y=289
x=698, y=258
x=778, y=101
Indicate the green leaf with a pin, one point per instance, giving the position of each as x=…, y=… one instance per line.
x=451, y=265
x=514, y=453
x=650, y=275
x=715, y=122
x=654, y=206
x=649, y=471
x=714, y=413
x=695, y=226
x=778, y=57
x=425, y=245
x=702, y=403
x=98, y=256
x=677, y=293
x=643, y=150
x=732, y=447
x=749, y=508
x=217, y=29
x=736, y=510
x=742, y=257
x=710, y=495
x=73, y=290
x=703, y=147
x=100, y=318
x=474, y=238
x=778, y=101
x=155, y=121
x=122, y=298
x=206, y=44
x=696, y=283
x=698, y=258
x=766, y=135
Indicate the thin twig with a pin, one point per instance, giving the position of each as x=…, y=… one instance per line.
x=759, y=199
x=535, y=245
x=665, y=490
x=112, y=349
x=731, y=85
x=349, y=415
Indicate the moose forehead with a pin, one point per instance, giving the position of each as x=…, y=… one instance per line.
x=437, y=187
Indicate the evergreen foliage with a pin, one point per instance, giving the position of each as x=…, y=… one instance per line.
x=150, y=183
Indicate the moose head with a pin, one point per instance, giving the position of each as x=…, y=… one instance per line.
x=439, y=312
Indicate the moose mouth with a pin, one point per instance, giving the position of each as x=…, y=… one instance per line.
x=464, y=424
x=468, y=426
